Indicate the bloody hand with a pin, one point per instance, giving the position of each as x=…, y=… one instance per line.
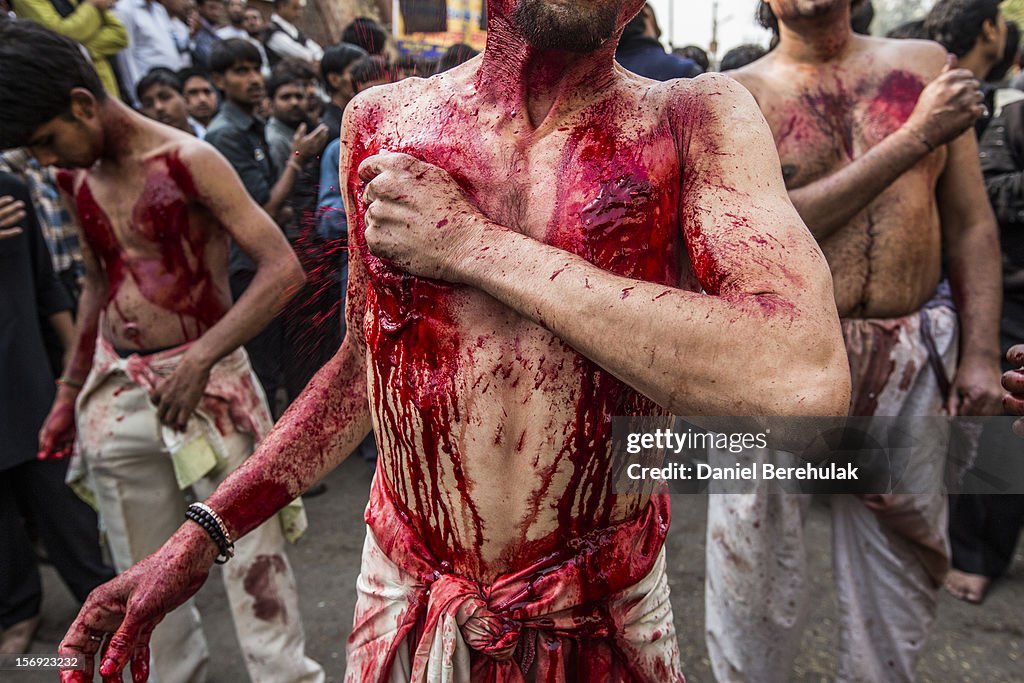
x=177, y=396
x=121, y=614
x=417, y=217
x=948, y=106
x=1013, y=382
x=57, y=437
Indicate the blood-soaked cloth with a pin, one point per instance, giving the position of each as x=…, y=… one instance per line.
x=597, y=611
x=902, y=368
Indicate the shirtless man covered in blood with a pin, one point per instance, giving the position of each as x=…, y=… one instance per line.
x=880, y=160
x=540, y=241
x=163, y=397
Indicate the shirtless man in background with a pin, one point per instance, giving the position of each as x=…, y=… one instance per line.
x=531, y=233
x=880, y=160
x=156, y=375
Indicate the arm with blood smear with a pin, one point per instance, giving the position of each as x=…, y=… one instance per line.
x=947, y=107
x=57, y=436
x=321, y=428
x=766, y=341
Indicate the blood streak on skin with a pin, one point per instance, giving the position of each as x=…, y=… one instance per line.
x=623, y=217
x=178, y=278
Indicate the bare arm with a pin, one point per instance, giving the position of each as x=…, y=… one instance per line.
x=971, y=245
x=770, y=305
x=57, y=435
x=64, y=327
x=278, y=277
x=278, y=273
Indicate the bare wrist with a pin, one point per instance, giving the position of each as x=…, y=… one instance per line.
x=920, y=138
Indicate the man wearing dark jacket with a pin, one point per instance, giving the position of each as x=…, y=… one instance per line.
x=640, y=52
x=67, y=527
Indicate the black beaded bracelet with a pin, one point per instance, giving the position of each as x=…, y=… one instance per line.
x=211, y=522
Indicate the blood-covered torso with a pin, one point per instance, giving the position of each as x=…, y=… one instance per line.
x=494, y=434
x=886, y=262
x=163, y=254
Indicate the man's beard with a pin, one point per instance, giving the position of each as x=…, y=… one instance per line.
x=548, y=26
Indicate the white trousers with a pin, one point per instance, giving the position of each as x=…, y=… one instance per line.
x=141, y=506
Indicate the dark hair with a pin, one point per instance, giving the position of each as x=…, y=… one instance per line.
x=227, y=53
x=741, y=56
x=694, y=54
x=287, y=72
x=337, y=58
x=861, y=18
x=367, y=34
x=194, y=72
x=460, y=53
x=158, y=76
x=368, y=69
x=912, y=30
x=766, y=17
x=999, y=71
x=957, y=24
x=39, y=70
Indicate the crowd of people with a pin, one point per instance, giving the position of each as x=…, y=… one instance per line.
x=234, y=261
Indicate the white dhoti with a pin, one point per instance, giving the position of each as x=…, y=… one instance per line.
x=137, y=472
x=890, y=552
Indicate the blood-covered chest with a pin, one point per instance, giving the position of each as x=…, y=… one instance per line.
x=145, y=214
x=823, y=125
x=602, y=194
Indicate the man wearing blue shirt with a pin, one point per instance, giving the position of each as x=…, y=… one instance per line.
x=642, y=53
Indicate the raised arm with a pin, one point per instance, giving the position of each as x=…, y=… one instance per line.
x=324, y=424
x=765, y=340
x=947, y=107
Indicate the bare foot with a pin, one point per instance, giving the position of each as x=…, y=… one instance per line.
x=968, y=587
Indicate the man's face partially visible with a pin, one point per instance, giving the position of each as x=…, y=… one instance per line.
x=66, y=142
x=569, y=25
x=166, y=105
x=242, y=84
x=212, y=11
x=289, y=104
x=236, y=12
x=200, y=98
x=253, y=21
x=290, y=11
